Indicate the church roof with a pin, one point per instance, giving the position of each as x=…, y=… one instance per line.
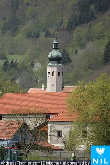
x=38, y=102
x=54, y=54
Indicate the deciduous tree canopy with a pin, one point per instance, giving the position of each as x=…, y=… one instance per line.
x=92, y=102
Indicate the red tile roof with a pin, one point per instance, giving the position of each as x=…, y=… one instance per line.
x=64, y=117
x=39, y=102
x=9, y=128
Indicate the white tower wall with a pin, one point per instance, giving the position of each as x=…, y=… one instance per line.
x=54, y=78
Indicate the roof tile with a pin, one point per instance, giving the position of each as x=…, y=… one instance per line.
x=9, y=128
x=64, y=117
x=40, y=102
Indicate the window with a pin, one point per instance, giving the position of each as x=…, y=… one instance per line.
x=55, y=45
x=48, y=74
x=59, y=133
x=58, y=73
x=84, y=133
x=47, y=116
x=53, y=73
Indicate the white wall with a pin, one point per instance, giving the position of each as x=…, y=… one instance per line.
x=54, y=83
x=53, y=127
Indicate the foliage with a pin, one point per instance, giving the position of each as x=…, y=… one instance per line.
x=2, y=153
x=8, y=65
x=66, y=58
x=24, y=27
x=85, y=11
x=92, y=102
x=8, y=87
x=107, y=53
x=75, y=137
x=101, y=5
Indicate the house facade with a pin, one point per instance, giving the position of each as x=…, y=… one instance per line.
x=58, y=132
x=59, y=127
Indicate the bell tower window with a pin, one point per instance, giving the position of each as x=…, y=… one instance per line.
x=55, y=44
x=53, y=73
x=58, y=73
x=48, y=74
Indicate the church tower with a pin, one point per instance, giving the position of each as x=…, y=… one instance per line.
x=55, y=70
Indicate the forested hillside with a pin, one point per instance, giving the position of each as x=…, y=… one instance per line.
x=27, y=28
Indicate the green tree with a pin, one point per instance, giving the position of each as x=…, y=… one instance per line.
x=8, y=87
x=2, y=153
x=101, y=5
x=107, y=53
x=92, y=102
x=66, y=58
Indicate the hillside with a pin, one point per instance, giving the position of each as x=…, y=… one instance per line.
x=27, y=28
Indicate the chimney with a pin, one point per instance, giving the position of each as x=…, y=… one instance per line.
x=43, y=87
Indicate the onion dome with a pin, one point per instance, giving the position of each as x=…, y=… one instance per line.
x=55, y=56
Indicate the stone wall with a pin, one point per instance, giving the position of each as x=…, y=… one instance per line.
x=32, y=120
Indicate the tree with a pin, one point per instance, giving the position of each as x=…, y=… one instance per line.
x=107, y=53
x=92, y=102
x=66, y=58
x=8, y=87
x=101, y=5
x=2, y=153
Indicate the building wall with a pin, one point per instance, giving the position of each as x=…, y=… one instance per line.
x=54, y=78
x=53, y=127
x=32, y=120
x=65, y=127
